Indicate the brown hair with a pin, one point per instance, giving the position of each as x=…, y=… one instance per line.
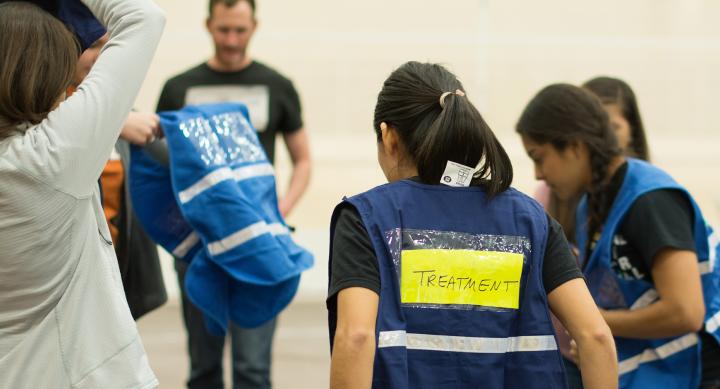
x=40, y=56
x=610, y=91
x=561, y=114
x=228, y=3
x=616, y=91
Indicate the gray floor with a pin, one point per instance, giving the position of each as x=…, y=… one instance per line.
x=301, y=357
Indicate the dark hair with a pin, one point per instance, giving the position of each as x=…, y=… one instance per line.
x=615, y=91
x=39, y=59
x=562, y=114
x=228, y=3
x=432, y=135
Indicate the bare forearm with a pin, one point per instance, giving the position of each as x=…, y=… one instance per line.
x=658, y=320
x=572, y=304
x=299, y=181
x=352, y=362
x=598, y=361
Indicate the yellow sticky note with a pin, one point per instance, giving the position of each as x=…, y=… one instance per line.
x=461, y=277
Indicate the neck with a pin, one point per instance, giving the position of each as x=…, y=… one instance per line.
x=403, y=172
x=614, y=165
x=215, y=64
x=408, y=173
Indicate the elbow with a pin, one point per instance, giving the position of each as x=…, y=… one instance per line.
x=355, y=338
x=690, y=319
x=304, y=163
x=599, y=336
x=155, y=17
x=149, y=16
x=603, y=336
x=685, y=315
x=152, y=13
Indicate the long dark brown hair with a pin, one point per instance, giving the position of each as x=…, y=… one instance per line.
x=39, y=59
x=563, y=114
x=432, y=134
x=616, y=91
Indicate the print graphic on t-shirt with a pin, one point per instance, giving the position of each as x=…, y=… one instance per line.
x=621, y=263
x=255, y=97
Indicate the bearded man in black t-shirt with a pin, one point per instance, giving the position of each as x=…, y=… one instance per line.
x=274, y=107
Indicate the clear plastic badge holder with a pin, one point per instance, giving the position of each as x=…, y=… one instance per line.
x=223, y=139
x=454, y=270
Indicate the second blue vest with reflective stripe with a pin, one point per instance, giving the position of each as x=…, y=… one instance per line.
x=425, y=339
x=216, y=207
x=658, y=363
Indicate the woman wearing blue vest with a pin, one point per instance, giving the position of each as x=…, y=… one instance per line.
x=645, y=250
x=620, y=103
x=443, y=277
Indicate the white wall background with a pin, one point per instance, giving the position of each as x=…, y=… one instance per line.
x=339, y=52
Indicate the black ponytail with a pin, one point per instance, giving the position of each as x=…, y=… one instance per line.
x=434, y=134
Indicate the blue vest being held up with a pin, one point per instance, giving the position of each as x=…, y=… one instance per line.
x=217, y=208
x=657, y=363
x=462, y=302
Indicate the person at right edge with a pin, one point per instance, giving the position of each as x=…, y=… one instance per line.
x=621, y=105
x=645, y=248
x=451, y=286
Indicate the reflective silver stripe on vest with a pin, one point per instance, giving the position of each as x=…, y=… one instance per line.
x=252, y=171
x=713, y=323
x=647, y=298
x=464, y=344
x=704, y=267
x=713, y=242
x=653, y=354
x=205, y=183
x=246, y=234
x=224, y=174
x=184, y=247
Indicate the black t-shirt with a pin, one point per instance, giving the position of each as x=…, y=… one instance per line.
x=272, y=101
x=354, y=263
x=655, y=221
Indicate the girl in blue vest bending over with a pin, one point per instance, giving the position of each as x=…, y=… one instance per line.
x=445, y=276
x=646, y=252
x=620, y=103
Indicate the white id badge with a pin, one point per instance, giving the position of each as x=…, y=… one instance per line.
x=457, y=175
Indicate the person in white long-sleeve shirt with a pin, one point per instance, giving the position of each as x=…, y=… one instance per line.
x=64, y=322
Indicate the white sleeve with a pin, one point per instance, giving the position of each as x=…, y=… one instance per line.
x=69, y=149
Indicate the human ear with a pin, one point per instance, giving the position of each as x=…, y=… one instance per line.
x=577, y=148
x=389, y=139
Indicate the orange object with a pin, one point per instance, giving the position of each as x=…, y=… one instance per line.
x=112, y=179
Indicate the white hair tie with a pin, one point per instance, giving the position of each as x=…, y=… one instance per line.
x=457, y=92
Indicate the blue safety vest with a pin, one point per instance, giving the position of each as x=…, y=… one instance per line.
x=462, y=302
x=657, y=363
x=216, y=207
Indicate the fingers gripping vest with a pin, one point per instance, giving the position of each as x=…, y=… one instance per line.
x=658, y=363
x=217, y=208
x=462, y=303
